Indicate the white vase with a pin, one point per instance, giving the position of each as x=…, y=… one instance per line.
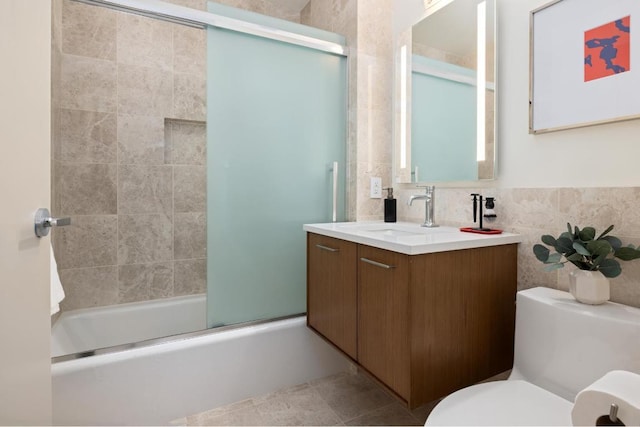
x=589, y=287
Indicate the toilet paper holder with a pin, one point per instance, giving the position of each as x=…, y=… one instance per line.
x=611, y=419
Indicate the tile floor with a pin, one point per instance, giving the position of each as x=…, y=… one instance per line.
x=342, y=399
x=348, y=398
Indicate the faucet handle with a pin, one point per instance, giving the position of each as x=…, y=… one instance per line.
x=427, y=188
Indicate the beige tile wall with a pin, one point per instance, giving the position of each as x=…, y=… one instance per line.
x=533, y=212
x=129, y=156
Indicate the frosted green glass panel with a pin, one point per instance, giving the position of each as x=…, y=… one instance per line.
x=443, y=121
x=276, y=122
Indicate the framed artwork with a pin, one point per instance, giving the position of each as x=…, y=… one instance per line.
x=584, y=66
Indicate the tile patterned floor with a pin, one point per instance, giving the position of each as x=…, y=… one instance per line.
x=342, y=399
x=349, y=398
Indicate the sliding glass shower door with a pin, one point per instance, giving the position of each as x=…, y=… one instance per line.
x=276, y=124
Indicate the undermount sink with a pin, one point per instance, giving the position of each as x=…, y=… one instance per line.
x=395, y=229
x=393, y=232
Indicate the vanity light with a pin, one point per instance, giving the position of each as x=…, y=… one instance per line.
x=481, y=77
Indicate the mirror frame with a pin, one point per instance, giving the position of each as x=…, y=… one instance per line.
x=402, y=89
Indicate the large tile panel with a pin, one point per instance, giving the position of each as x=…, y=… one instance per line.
x=141, y=139
x=145, y=41
x=89, y=241
x=144, y=239
x=190, y=277
x=88, y=84
x=189, y=188
x=89, y=287
x=144, y=189
x=190, y=236
x=189, y=50
x=87, y=137
x=88, y=30
x=144, y=91
x=189, y=96
x=87, y=189
x=141, y=282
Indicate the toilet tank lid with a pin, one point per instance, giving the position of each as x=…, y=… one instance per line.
x=565, y=301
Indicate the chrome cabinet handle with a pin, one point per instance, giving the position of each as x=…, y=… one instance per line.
x=327, y=248
x=376, y=263
x=43, y=222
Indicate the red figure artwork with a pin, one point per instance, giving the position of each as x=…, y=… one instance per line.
x=606, y=49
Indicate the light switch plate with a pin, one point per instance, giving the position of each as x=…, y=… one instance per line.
x=376, y=187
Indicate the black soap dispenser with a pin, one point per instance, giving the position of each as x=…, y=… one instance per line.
x=389, y=206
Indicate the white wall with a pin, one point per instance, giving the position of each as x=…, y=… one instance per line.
x=597, y=156
x=25, y=112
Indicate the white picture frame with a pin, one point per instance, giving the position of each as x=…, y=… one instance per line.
x=560, y=97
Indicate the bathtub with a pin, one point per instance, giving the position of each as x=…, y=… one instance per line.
x=161, y=382
x=88, y=329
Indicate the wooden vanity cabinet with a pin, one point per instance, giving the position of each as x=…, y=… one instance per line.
x=424, y=325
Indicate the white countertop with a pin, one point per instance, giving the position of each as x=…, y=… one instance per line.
x=410, y=238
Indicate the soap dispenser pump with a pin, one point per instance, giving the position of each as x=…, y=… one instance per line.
x=390, y=206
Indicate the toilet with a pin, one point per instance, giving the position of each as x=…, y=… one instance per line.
x=561, y=347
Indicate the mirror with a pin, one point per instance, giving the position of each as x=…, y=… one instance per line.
x=447, y=103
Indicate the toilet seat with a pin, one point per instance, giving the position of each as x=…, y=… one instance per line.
x=510, y=402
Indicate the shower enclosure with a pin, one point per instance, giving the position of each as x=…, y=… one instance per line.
x=188, y=155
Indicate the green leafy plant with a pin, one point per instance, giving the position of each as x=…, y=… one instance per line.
x=585, y=251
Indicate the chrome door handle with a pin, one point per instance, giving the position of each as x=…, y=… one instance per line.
x=43, y=222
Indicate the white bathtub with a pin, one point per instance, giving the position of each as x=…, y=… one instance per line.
x=156, y=384
x=92, y=328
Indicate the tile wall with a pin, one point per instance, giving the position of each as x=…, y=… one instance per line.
x=128, y=157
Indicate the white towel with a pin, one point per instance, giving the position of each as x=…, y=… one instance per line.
x=57, y=293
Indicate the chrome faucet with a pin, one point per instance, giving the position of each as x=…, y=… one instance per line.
x=429, y=201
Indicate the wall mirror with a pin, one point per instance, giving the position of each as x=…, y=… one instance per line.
x=447, y=95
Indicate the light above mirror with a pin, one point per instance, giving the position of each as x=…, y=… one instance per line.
x=446, y=127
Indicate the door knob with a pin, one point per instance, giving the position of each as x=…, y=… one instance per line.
x=44, y=221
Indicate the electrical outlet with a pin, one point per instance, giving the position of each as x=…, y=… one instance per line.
x=376, y=187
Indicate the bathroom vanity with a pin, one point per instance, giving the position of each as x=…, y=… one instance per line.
x=425, y=311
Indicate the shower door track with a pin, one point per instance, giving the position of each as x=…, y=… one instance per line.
x=200, y=19
x=170, y=338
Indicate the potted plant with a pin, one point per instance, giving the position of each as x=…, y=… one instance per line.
x=594, y=257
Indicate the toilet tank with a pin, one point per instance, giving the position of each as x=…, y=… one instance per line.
x=563, y=346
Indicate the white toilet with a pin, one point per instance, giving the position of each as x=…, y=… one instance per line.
x=561, y=347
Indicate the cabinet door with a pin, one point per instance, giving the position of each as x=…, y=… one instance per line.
x=331, y=290
x=462, y=318
x=383, y=336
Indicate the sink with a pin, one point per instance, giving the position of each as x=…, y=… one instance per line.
x=395, y=229
x=393, y=232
